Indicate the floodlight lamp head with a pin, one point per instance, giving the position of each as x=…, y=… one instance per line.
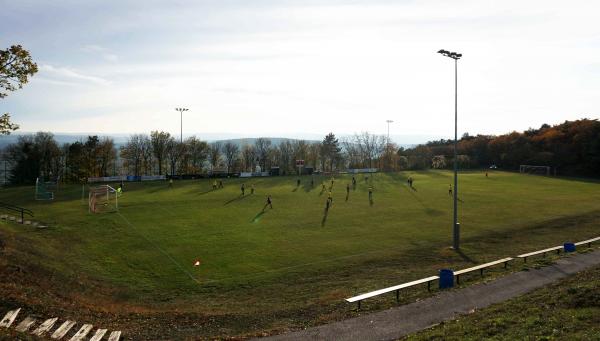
x=442, y=51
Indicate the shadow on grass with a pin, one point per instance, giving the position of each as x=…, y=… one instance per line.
x=465, y=257
x=325, y=214
x=295, y=189
x=257, y=217
x=239, y=197
x=206, y=192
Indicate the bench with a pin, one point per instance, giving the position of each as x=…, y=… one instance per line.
x=543, y=252
x=395, y=288
x=588, y=242
x=481, y=267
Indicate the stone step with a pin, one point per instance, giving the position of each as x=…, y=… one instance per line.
x=63, y=329
x=115, y=336
x=9, y=318
x=45, y=327
x=25, y=324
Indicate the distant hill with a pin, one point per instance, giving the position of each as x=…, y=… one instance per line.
x=120, y=139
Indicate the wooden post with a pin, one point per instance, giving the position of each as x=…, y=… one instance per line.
x=429, y=286
x=481, y=272
x=397, y=296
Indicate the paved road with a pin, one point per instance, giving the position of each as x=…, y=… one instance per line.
x=396, y=322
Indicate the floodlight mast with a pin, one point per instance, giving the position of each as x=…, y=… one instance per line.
x=388, y=133
x=181, y=110
x=455, y=225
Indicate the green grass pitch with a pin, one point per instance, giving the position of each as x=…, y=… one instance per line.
x=295, y=255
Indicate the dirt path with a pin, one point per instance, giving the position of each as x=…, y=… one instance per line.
x=394, y=323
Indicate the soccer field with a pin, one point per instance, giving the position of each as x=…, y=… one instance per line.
x=296, y=257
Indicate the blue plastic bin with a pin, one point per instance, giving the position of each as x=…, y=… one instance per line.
x=446, y=278
x=569, y=247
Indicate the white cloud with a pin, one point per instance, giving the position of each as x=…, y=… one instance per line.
x=321, y=66
x=101, y=51
x=69, y=76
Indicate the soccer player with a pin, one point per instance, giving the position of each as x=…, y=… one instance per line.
x=220, y=183
x=298, y=183
x=252, y=189
x=353, y=181
x=450, y=190
x=214, y=184
x=170, y=183
x=323, y=188
x=330, y=197
x=243, y=188
x=370, y=193
x=269, y=202
x=347, y=189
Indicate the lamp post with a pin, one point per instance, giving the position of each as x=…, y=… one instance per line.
x=455, y=225
x=181, y=110
x=388, y=136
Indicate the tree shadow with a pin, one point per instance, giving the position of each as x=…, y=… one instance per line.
x=295, y=189
x=465, y=257
x=239, y=197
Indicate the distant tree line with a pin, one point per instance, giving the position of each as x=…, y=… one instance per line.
x=572, y=148
x=39, y=155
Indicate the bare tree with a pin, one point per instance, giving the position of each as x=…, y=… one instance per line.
x=286, y=153
x=248, y=157
x=173, y=153
x=262, y=147
x=198, y=153
x=314, y=154
x=107, y=155
x=147, y=161
x=370, y=147
x=214, y=154
x=132, y=153
x=231, y=152
x=159, y=147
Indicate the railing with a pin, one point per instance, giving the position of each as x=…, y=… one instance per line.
x=22, y=211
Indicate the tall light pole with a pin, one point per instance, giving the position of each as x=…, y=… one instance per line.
x=455, y=225
x=388, y=137
x=181, y=110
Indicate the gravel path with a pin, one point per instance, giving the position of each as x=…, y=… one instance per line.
x=396, y=322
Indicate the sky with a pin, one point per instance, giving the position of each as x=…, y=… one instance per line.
x=303, y=68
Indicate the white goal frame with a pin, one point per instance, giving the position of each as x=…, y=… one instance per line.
x=102, y=196
x=531, y=169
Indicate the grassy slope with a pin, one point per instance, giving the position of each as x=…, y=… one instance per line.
x=568, y=310
x=289, y=266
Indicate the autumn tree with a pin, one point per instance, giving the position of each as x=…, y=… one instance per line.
x=16, y=67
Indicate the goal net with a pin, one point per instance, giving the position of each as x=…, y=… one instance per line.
x=103, y=199
x=530, y=169
x=45, y=190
